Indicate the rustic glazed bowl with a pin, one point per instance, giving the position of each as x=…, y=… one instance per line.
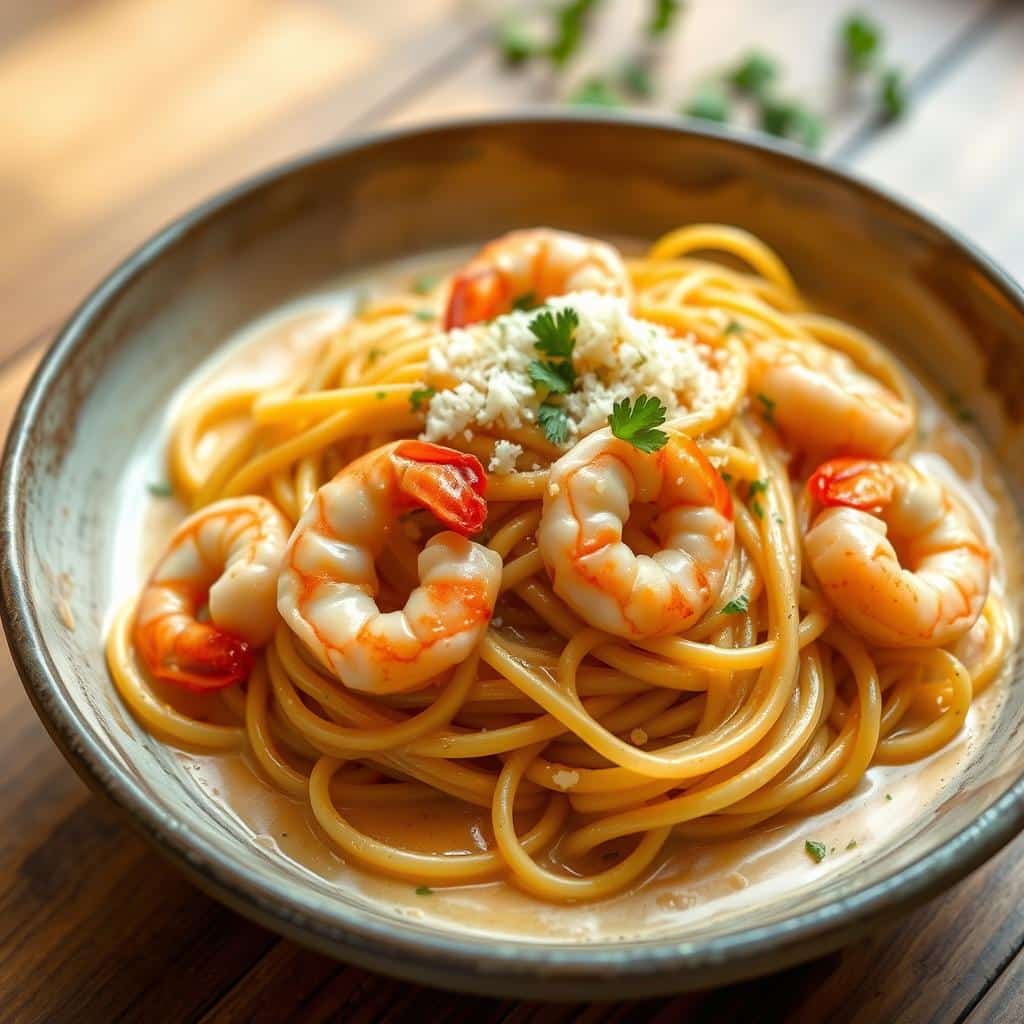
x=104, y=383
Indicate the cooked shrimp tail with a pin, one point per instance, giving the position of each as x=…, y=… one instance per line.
x=227, y=557
x=894, y=554
x=532, y=265
x=448, y=483
x=328, y=589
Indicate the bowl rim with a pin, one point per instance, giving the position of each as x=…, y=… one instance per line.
x=454, y=959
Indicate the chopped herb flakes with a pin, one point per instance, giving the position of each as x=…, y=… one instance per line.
x=636, y=80
x=754, y=74
x=420, y=396
x=893, y=98
x=570, y=22
x=663, y=14
x=373, y=355
x=638, y=424
x=815, y=850
x=709, y=103
x=958, y=409
x=426, y=284
x=424, y=890
x=381, y=395
x=791, y=120
x=596, y=92
x=852, y=844
x=554, y=421
x=768, y=407
x=516, y=42
x=424, y=314
x=861, y=40
x=737, y=605
x=734, y=327
x=888, y=796
x=160, y=490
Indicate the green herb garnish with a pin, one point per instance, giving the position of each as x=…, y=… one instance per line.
x=734, y=327
x=709, y=103
x=424, y=314
x=382, y=395
x=861, y=40
x=754, y=74
x=888, y=796
x=790, y=120
x=554, y=421
x=663, y=14
x=424, y=890
x=558, y=378
x=419, y=396
x=554, y=332
x=815, y=850
x=570, y=22
x=768, y=410
x=958, y=409
x=425, y=285
x=160, y=490
x=373, y=355
x=525, y=301
x=596, y=92
x=516, y=42
x=737, y=605
x=636, y=79
x=893, y=98
x=852, y=844
x=755, y=488
x=637, y=424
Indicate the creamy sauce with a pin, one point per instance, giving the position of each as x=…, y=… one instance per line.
x=695, y=881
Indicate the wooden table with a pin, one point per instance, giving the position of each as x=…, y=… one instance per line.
x=115, y=115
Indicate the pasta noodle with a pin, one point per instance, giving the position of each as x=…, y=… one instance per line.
x=587, y=749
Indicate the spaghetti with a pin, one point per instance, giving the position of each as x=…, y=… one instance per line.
x=587, y=748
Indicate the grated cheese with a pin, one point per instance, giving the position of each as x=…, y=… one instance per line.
x=482, y=380
x=503, y=459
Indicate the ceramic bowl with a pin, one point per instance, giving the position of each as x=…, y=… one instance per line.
x=103, y=386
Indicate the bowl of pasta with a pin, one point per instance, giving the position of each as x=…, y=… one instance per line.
x=546, y=555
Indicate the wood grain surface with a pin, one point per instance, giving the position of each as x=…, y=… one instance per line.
x=118, y=114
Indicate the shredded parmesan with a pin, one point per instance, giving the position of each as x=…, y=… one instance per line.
x=616, y=355
x=503, y=459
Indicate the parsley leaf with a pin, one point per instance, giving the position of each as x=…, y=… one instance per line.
x=554, y=421
x=525, y=301
x=852, y=844
x=637, y=424
x=596, y=92
x=636, y=79
x=894, y=95
x=424, y=890
x=663, y=13
x=861, y=40
x=754, y=73
x=734, y=327
x=160, y=490
x=570, y=21
x=424, y=314
x=554, y=332
x=516, y=42
x=815, y=850
x=737, y=605
x=709, y=103
x=790, y=120
x=419, y=396
x=757, y=487
x=558, y=378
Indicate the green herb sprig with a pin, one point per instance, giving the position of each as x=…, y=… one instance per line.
x=638, y=423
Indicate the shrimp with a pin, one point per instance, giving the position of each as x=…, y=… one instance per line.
x=820, y=400
x=590, y=491
x=227, y=556
x=536, y=264
x=895, y=556
x=328, y=588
